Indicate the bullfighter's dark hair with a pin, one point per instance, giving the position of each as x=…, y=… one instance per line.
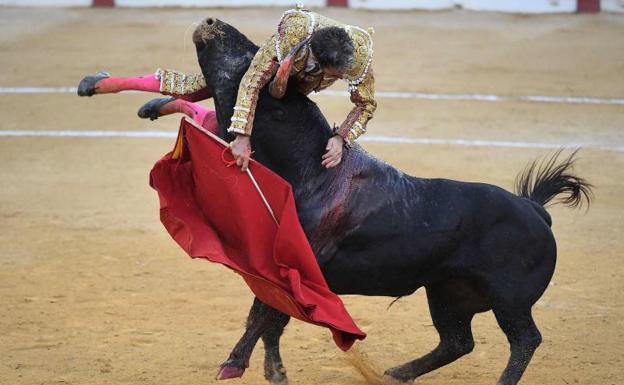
x=333, y=47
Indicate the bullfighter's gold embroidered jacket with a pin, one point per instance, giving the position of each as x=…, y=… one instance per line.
x=295, y=26
x=178, y=83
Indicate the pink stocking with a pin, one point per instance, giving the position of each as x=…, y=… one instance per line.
x=109, y=85
x=147, y=83
x=204, y=116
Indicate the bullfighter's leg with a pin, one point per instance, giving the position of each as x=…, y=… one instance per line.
x=103, y=83
x=156, y=108
x=452, y=316
x=523, y=336
x=261, y=318
x=274, y=370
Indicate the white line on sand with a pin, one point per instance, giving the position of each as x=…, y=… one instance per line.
x=389, y=94
x=489, y=98
x=90, y=134
x=38, y=90
x=369, y=138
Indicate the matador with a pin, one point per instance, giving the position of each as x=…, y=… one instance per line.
x=308, y=48
x=316, y=51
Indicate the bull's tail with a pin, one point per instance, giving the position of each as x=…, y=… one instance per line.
x=542, y=181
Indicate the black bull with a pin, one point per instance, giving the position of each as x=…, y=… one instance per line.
x=377, y=231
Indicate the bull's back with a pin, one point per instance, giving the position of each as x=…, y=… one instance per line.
x=429, y=230
x=398, y=239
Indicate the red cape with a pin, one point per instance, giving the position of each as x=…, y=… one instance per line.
x=214, y=211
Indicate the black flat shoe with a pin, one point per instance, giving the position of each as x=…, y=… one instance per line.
x=86, y=87
x=151, y=109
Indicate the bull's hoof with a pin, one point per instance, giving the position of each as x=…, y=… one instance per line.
x=230, y=370
x=86, y=87
x=275, y=374
x=151, y=109
x=390, y=378
x=280, y=381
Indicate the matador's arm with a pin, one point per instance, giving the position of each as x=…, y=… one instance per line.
x=363, y=96
x=262, y=68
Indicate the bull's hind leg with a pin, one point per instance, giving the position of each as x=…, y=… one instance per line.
x=452, y=307
x=523, y=336
x=274, y=370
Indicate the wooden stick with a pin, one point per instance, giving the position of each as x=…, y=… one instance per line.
x=266, y=203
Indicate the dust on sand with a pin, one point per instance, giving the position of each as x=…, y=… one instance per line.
x=93, y=290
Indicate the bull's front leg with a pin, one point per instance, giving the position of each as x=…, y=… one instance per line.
x=274, y=370
x=261, y=318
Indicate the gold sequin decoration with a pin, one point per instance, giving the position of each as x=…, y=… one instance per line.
x=178, y=83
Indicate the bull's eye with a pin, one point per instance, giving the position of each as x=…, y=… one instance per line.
x=278, y=114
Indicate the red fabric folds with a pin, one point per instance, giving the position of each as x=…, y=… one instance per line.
x=213, y=211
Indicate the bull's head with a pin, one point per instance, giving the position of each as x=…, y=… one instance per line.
x=224, y=55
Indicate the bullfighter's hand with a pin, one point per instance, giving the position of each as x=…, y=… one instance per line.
x=241, y=150
x=333, y=156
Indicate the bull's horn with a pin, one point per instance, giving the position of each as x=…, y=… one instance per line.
x=277, y=87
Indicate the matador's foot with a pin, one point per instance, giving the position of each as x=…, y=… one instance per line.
x=151, y=109
x=86, y=87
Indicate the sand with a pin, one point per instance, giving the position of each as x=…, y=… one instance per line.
x=94, y=291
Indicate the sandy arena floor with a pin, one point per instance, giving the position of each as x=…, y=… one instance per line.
x=94, y=291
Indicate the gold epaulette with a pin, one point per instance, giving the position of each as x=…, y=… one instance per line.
x=298, y=24
x=294, y=26
x=363, y=45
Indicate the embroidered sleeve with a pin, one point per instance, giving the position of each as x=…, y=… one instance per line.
x=294, y=27
x=178, y=83
x=363, y=96
x=262, y=68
